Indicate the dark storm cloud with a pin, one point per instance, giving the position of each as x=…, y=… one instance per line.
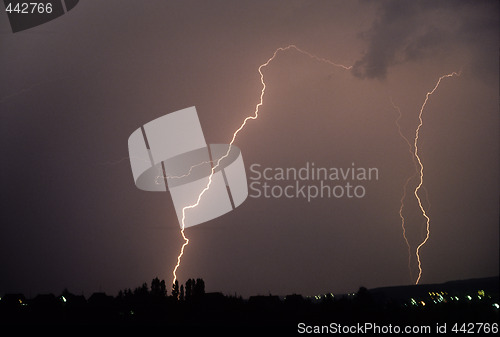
x=411, y=31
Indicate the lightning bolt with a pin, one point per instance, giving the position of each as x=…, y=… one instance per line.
x=166, y=176
x=410, y=149
x=251, y=117
x=31, y=87
x=415, y=157
x=414, y=153
x=405, y=187
x=422, y=209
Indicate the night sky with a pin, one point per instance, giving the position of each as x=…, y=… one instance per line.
x=74, y=89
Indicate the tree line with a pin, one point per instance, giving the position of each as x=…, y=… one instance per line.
x=188, y=305
x=192, y=289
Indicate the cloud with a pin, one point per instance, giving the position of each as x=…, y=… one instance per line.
x=411, y=31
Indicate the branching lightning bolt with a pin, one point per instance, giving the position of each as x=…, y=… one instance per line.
x=410, y=149
x=405, y=188
x=413, y=150
x=251, y=117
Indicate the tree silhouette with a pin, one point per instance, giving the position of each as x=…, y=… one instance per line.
x=142, y=291
x=158, y=288
x=199, y=288
x=175, y=289
x=363, y=296
x=189, y=289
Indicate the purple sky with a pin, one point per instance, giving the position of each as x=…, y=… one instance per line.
x=74, y=89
